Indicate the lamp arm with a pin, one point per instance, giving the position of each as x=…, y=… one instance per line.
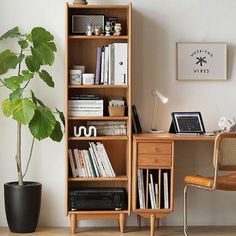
x=154, y=113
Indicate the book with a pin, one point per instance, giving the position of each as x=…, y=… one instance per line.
x=111, y=64
x=83, y=173
x=141, y=206
x=166, y=190
x=95, y=165
x=152, y=192
x=136, y=119
x=102, y=64
x=106, y=65
x=151, y=195
x=72, y=165
x=157, y=195
x=98, y=66
x=120, y=63
x=142, y=189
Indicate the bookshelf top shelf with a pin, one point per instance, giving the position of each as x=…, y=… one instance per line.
x=77, y=37
x=93, y=86
x=91, y=6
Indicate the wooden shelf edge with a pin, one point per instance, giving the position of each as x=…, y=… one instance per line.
x=98, y=118
x=99, y=86
x=93, y=6
x=99, y=138
x=98, y=212
x=77, y=37
x=153, y=210
x=98, y=179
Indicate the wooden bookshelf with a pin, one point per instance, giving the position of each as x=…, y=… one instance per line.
x=82, y=50
x=154, y=157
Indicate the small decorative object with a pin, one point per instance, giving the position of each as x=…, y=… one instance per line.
x=97, y=30
x=83, y=131
x=117, y=29
x=35, y=53
x=113, y=20
x=116, y=108
x=108, y=28
x=89, y=30
x=201, y=61
x=76, y=76
x=82, y=2
x=79, y=23
x=77, y=67
x=156, y=94
x=88, y=78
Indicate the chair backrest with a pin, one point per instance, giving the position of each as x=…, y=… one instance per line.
x=225, y=148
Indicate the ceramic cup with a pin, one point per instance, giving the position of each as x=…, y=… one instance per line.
x=75, y=76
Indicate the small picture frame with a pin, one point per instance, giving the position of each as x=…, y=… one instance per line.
x=201, y=61
x=187, y=122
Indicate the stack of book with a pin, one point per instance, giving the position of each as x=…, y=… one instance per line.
x=153, y=193
x=91, y=163
x=112, y=63
x=105, y=128
x=85, y=105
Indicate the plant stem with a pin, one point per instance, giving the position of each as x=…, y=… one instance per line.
x=18, y=155
x=28, y=162
x=19, y=68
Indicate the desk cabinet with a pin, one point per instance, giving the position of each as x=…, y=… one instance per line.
x=152, y=180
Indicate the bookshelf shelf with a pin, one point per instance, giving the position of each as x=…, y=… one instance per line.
x=78, y=37
x=98, y=138
x=82, y=50
x=104, y=118
x=118, y=178
x=98, y=86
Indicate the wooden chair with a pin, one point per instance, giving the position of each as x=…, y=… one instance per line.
x=224, y=159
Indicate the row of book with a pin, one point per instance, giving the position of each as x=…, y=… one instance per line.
x=91, y=163
x=111, y=67
x=85, y=105
x=152, y=191
x=112, y=128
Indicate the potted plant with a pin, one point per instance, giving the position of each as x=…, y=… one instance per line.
x=36, y=50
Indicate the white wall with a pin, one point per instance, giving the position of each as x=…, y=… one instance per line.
x=157, y=26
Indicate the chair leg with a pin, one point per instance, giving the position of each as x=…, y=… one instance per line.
x=185, y=211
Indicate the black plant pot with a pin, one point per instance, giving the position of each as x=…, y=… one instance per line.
x=22, y=205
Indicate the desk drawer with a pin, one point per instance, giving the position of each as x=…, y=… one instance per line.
x=148, y=160
x=154, y=148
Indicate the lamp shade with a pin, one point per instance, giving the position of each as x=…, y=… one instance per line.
x=156, y=93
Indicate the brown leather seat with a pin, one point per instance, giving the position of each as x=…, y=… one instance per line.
x=225, y=182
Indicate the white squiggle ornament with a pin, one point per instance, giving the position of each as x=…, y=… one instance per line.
x=82, y=130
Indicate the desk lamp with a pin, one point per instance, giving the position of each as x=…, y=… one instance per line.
x=156, y=94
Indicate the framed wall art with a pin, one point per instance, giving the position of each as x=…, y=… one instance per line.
x=201, y=61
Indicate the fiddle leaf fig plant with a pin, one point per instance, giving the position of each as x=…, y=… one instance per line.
x=36, y=52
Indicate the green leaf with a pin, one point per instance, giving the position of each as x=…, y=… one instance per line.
x=57, y=133
x=62, y=117
x=20, y=58
x=7, y=107
x=13, y=33
x=32, y=63
x=43, y=123
x=46, y=78
x=27, y=75
x=23, y=44
x=36, y=100
x=43, y=53
x=14, y=82
x=53, y=46
x=24, y=110
x=39, y=34
x=16, y=94
x=8, y=60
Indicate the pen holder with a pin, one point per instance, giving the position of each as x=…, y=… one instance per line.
x=116, y=110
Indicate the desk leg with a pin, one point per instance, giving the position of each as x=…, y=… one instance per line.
x=122, y=223
x=139, y=221
x=152, y=225
x=73, y=223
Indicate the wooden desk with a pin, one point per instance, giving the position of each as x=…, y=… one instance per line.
x=154, y=154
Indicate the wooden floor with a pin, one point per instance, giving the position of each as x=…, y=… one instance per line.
x=132, y=231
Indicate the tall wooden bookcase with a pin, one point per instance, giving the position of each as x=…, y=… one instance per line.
x=82, y=50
